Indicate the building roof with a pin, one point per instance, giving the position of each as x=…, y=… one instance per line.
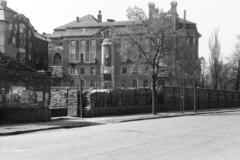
x=39, y=36
x=188, y=22
x=86, y=20
x=80, y=32
x=88, y=26
x=4, y=11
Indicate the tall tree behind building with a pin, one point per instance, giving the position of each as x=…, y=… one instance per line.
x=215, y=60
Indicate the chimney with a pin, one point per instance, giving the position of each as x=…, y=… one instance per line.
x=99, y=17
x=3, y=3
x=77, y=19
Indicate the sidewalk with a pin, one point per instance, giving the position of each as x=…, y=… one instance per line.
x=72, y=122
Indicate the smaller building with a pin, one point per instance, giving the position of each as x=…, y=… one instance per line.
x=19, y=39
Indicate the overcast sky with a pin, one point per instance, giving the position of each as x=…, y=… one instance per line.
x=45, y=15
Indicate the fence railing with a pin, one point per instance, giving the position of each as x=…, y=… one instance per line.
x=205, y=98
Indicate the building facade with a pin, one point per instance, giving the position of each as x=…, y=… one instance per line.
x=82, y=53
x=19, y=39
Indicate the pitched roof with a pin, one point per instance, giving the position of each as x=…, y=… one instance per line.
x=88, y=26
x=4, y=12
x=188, y=22
x=86, y=20
x=57, y=33
x=80, y=32
x=39, y=36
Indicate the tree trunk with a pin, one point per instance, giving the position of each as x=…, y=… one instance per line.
x=154, y=110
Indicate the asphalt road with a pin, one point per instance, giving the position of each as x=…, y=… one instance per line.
x=213, y=136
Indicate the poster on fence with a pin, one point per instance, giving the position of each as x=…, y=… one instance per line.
x=25, y=96
x=60, y=98
x=39, y=96
x=15, y=93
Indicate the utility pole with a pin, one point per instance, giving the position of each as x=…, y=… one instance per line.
x=238, y=72
x=183, y=64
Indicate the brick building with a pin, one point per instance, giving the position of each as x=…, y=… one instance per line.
x=19, y=39
x=82, y=50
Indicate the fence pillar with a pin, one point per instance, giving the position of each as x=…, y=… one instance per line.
x=174, y=103
x=226, y=98
x=208, y=99
x=187, y=98
x=233, y=99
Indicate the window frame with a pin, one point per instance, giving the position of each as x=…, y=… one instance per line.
x=123, y=70
x=72, y=50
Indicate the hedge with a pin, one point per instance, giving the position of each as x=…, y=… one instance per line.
x=11, y=115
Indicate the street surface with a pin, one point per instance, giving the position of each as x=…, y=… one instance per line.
x=212, y=136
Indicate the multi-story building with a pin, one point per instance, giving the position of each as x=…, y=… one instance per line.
x=19, y=39
x=82, y=53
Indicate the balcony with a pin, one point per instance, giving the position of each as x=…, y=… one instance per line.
x=75, y=61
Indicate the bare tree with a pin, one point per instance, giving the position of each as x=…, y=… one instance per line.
x=215, y=60
x=148, y=42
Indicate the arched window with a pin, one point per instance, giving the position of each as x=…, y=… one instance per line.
x=134, y=83
x=161, y=83
x=124, y=83
x=145, y=83
x=72, y=83
x=92, y=83
x=57, y=59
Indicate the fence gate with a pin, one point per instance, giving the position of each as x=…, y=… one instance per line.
x=63, y=101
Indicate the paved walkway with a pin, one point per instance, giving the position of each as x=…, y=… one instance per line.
x=71, y=122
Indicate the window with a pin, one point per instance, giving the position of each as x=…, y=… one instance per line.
x=83, y=43
x=72, y=51
x=124, y=83
x=82, y=70
x=107, y=77
x=123, y=57
x=92, y=83
x=106, y=34
x=124, y=70
x=22, y=35
x=29, y=34
x=22, y=57
x=29, y=57
x=145, y=83
x=72, y=70
x=57, y=59
x=107, y=56
x=92, y=57
x=161, y=83
x=188, y=40
x=92, y=70
x=93, y=43
x=194, y=41
x=14, y=41
x=134, y=83
x=82, y=50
